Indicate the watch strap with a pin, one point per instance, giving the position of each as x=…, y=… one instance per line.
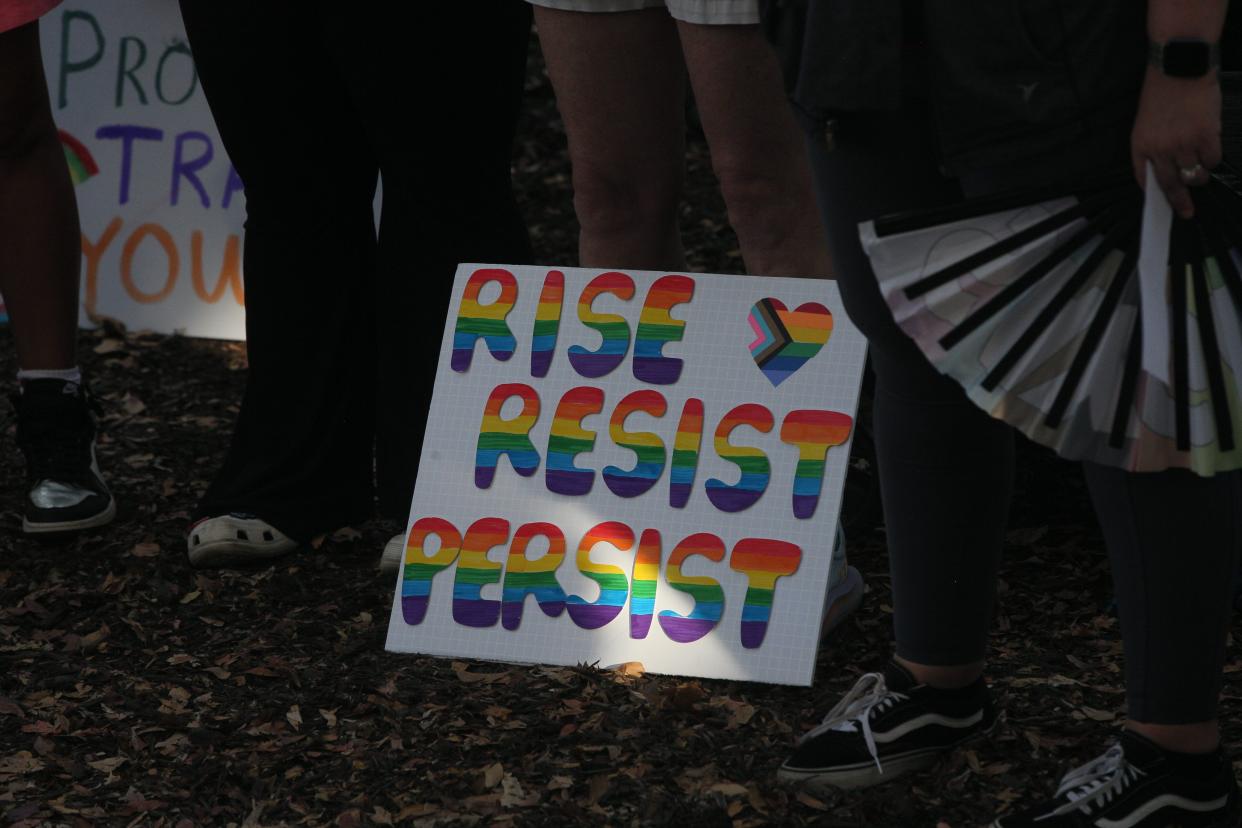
x=1156, y=56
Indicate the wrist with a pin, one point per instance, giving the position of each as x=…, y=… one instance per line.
x=1156, y=78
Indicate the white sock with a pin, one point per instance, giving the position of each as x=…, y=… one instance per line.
x=73, y=375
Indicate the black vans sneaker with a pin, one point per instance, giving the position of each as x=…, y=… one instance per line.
x=1136, y=784
x=56, y=433
x=885, y=726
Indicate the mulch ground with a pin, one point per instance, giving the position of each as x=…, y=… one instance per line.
x=136, y=690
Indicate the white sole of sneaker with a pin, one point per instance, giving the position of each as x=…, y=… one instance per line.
x=229, y=541
x=103, y=518
x=861, y=775
x=866, y=774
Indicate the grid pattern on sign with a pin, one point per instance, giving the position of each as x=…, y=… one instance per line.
x=716, y=335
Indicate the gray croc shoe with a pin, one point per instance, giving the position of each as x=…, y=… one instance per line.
x=846, y=590
x=394, y=550
x=235, y=539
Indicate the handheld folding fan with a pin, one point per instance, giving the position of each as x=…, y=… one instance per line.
x=1094, y=321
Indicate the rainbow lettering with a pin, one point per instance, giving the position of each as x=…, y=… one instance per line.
x=656, y=327
x=685, y=453
x=614, y=329
x=538, y=577
x=784, y=339
x=568, y=438
x=509, y=437
x=486, y=321
x=613, y=586
x=474, y=571
x=419, y=568
x=643, y=587
x=707, y=594
x=81, y=163
x=762, y=561
x=547, y=323
x=756, y=469
x=813, y=432
x=648, y=447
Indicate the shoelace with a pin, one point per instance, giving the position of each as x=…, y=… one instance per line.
x=1095, y=783
x=853, y=713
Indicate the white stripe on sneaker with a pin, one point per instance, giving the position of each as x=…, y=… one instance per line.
x=1151, y=806
x=926, y=719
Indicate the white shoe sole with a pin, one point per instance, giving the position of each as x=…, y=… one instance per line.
x=862, y=775
x=214, y=542
x=42, y=528
x=866, y=774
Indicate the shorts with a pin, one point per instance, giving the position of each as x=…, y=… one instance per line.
x=15, y=13
x=709, y=12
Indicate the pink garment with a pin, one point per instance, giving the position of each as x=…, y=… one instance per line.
x=14, y=13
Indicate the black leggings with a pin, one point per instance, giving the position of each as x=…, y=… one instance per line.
x=312, y=99
x=946, y=468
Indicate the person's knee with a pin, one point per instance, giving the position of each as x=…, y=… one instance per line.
x=612, y=203
x=761, y=206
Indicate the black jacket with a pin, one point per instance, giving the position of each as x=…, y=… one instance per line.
x=1006, y=79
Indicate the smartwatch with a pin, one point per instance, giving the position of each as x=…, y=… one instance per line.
x=1184, y=57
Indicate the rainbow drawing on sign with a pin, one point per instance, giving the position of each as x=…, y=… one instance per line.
x=614, y=329
x=707, y=594
x=613, y=586
x=656, y=328
x=486, y=321
x=508, y=437
x=813, y=433
x=648, y=448
x=81, y=163
x=567, y=439
x=547, y=323
x=524, y=576
x=643, y=588
x=685, y=453
x=755, y=466
x=419, y=568
x=762, y=562
x=784, y=339
x=475, y=570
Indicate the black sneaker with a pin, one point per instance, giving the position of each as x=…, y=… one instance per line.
x=1135, y=784
x=885, y=726
x=56, y=433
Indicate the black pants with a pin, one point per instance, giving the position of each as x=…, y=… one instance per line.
x=312, y=100
x=946, y=468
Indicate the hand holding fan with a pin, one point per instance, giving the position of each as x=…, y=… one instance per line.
x=1096, y=324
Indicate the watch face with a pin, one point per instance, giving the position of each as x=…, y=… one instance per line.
x=1187, y=58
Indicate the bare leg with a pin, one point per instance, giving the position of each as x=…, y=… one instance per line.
x=40, y=245
x=757, y=150
x=619, y=81
x=942, y=677
x=1200, y=737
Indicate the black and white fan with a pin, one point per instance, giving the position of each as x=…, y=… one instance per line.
x=1095, y=321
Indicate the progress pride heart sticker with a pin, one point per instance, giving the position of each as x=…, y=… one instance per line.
x=785, y=339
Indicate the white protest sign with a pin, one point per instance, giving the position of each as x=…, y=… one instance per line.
x=161, y=207
x=631, y=466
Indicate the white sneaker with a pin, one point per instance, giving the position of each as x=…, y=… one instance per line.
x=394, y=551
x=235, y=538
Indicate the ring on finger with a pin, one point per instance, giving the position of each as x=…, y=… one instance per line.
x=1191, y=174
